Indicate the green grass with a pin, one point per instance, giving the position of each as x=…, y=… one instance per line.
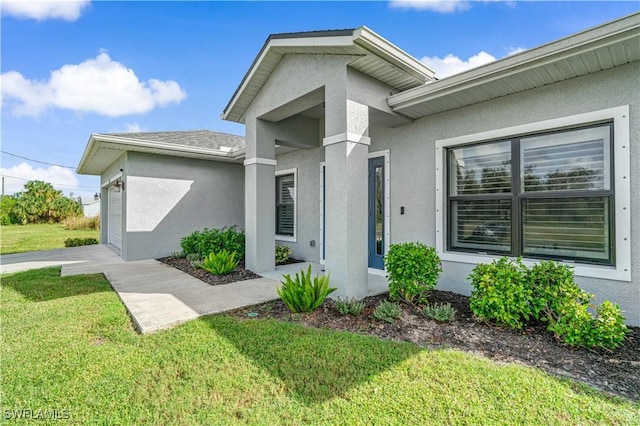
x=21, y=238
x=68, y=344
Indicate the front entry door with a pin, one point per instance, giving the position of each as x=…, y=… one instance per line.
x=376, y=213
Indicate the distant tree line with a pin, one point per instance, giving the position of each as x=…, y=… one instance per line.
x=40, y=202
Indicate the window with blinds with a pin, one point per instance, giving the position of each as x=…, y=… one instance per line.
x=285, y=204
x=541, y=196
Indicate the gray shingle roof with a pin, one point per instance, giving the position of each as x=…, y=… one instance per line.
x=195, y=138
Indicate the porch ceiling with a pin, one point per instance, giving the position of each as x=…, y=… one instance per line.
x=591, y=51
x=376, y=58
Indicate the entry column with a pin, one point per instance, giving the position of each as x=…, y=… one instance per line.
x=346, y=200
x=259, y=197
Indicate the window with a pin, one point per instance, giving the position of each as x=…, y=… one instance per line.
x=286, y=205
x=547, y=195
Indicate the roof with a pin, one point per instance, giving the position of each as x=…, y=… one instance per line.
x=377, y=58
x=597, y=49
x=103, y=149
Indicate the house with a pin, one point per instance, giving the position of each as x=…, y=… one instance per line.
x=361, y=146
x=158, y=187
x=90, y=205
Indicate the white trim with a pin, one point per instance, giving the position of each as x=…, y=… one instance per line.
x=259, y=160
x=321, y=239
x=346, y=137
x=622, y=220
x=387, y=198
x=289, y=238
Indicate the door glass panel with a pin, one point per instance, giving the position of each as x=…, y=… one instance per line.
x=379, y=210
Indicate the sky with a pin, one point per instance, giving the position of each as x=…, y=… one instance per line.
x=72, y=68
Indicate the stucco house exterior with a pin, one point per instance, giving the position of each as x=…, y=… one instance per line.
x=158, y=187
x=352, y=145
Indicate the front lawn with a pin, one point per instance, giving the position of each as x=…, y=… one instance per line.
x=68, y=345
x=35, y=237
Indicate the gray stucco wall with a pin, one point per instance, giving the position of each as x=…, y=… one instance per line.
x=168, y=198
x=412, y=150
x=307, y=163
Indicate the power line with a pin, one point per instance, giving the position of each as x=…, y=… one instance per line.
x=36, y=161
x=58, y=184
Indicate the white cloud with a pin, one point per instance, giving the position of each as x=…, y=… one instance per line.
x=99, y=85
x=61, y=178
x=515, y=50
x=133, y=128
x=68, y=10
x=451, y=64
x=441, y=6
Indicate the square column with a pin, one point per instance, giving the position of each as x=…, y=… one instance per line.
x=346, y=162
x=259, y=198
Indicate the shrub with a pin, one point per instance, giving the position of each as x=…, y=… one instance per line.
x=40, y=202
x=282, y=254
x=7, y=217
x=81, y=223
x=303, y=294
x=77, y=242
x=566, y=308
x=214, y=240
x=443, y=312
x=220, y=263
x=177, y=255
x=501, y=293
x=195, y=260
x=387, y=312
x=412, y=270
x=349, y=306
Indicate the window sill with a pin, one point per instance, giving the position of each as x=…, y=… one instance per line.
x=286, y=238
x=580, y=270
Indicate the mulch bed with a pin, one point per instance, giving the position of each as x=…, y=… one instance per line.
x=240, y=274
x=614, y=371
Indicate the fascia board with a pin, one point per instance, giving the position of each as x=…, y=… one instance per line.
x=513, y=65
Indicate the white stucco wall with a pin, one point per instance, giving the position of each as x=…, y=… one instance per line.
x=168, y=198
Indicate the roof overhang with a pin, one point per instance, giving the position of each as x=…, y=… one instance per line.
x=604, y=47
x=376, y=57
x=102, y=150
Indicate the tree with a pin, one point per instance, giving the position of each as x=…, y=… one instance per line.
x=42, y=203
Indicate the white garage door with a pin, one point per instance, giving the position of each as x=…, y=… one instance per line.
x=114, y=210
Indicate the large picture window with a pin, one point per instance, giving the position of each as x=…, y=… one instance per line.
x=285, y=204
x=546, y=195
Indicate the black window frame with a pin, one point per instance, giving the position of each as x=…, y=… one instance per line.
x=518, y=198
x=280, y=206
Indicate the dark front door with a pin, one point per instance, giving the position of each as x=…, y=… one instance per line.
x=376, y=213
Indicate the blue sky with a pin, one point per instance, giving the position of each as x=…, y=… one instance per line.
x=74, y=68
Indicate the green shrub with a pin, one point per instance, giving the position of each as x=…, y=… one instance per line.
x=349, y=306
x=7, y=202
x=303, y=294
x=565, y=307
x=282, y=254
x=442, y=312
x=214, y=240
x=412, y=270
x=220, y=263
x=387, y=312
x=501, y=293
x=177, y=255
x=77, y=242
x=195, y=260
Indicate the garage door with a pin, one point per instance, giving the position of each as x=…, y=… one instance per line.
x=114, y=211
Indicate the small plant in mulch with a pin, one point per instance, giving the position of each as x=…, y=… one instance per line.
x=412, y=270
x=387, y=311
x=282, y=254
x=441, y=312
x=220, y=263
x=303, y=294
x=349, y=306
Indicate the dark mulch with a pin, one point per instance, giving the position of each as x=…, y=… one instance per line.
x=240, y=274
x=616, y=372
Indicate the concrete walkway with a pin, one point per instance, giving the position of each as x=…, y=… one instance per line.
x=156, y=295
